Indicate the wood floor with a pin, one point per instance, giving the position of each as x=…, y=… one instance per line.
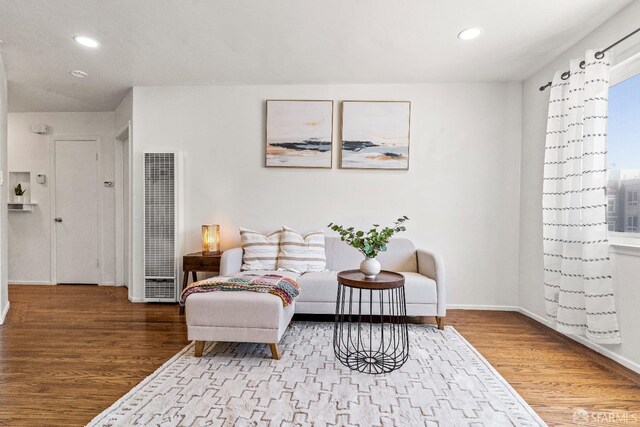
x=69, y=352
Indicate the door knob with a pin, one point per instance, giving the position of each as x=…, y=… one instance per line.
x=58, y=219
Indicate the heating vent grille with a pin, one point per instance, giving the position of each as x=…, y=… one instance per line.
x=159, y=224
x=160, y=289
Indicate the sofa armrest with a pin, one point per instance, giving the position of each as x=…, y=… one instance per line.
x=231, y=261
x=431, y=265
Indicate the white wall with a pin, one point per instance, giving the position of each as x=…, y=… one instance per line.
x=124, y=112
x=4, y=289
x=30, y=233
x=535, y=106
x=461, y=191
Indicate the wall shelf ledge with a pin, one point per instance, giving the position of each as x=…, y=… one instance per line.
x=20, y=207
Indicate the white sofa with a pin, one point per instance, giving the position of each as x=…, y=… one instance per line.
x=423, y=271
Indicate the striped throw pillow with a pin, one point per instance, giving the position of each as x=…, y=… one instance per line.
x=301, y=254
x=260, y=251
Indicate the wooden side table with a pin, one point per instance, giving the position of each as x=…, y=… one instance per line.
x=195, y=262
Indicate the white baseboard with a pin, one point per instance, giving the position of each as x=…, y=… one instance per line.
x=4, y=313
x=30, y=282
x=481, y=307
x=132, y=299
x=538, y=318
x=36, y=282
x=598, y=348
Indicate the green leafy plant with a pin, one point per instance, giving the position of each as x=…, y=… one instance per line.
x=373, y=241
x=19, y=191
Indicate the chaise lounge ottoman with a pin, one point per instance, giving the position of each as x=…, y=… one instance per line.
x=237, y=317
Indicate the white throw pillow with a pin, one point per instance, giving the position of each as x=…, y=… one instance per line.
x=260, y=251
x=301, y=254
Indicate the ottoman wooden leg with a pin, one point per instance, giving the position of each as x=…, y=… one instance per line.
x=440, y=322
x=198, y=349
x=275, y=352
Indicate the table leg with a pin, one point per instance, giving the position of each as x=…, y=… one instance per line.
x=194, y=276
x=365, y=345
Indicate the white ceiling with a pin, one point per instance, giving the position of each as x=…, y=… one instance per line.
x=198, y=42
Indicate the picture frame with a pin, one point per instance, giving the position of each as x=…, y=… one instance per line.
x=299, y=134
x=375, y=135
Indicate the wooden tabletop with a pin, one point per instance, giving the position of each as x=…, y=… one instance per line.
x=208, y=254
x=384, y=280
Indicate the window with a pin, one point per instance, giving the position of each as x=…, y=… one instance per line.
x=611, y=205
x=623, y=154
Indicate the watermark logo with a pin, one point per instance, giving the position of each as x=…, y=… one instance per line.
x=582, y=416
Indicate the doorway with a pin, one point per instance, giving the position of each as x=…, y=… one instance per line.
x=76, y=219
x=123, y=212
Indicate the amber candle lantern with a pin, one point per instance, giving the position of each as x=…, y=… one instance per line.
x=210, y=239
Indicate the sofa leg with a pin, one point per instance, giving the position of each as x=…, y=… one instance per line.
x=440, y=322
x=275, y=351
x=198, y=348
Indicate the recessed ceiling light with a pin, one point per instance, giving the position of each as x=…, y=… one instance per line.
x=470, y=33
x=86, y=41
x=78, y=73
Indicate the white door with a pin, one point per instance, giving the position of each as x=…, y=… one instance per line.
x=76, y=212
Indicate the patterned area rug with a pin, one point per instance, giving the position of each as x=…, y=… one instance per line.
x=445, y=382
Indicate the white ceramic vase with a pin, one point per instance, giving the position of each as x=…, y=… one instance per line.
x=18, y=199
x=370, y=267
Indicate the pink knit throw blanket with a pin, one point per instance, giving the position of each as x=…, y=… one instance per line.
x=283, y=287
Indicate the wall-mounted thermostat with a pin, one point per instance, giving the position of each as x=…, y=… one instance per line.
x=40, y=129
x=41, y=178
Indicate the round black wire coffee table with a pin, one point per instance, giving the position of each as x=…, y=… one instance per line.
x=370, y=332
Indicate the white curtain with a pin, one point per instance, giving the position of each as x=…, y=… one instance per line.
x=578, y=288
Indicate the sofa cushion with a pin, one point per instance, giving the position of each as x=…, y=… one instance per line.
x=399, y=256
x=260, y=251
x=318, y=286
x=301, y=253
x=419, y=289
x=323, y=286
x=290, y=274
